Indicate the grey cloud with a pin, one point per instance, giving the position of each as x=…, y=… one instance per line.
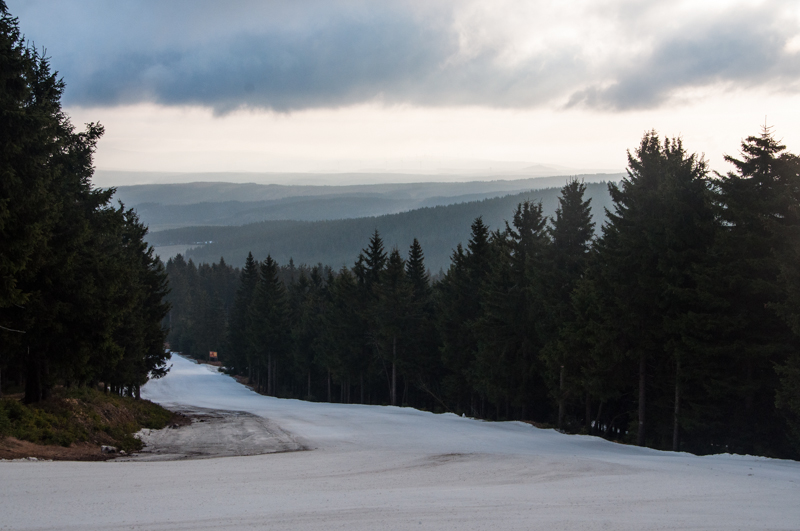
x=744, y=49
x=296, y=55
x=342, y=62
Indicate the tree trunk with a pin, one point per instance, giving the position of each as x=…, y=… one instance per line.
x=269, y=374
x=34, y=386
x=676, y=422
x=394, y=370
x=361, y=376
x=596, y=427
x=748, y=408
x=309, y=385
x=642, y=381
x=561, y=400
x=275, y=377
x=329, y=385
x=588, y=413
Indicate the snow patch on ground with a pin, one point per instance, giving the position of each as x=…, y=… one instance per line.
x=377, y=467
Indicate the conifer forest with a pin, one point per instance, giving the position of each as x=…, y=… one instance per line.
x=81, y=294
x=675, y=328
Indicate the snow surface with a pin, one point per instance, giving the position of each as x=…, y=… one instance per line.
x=374, y=467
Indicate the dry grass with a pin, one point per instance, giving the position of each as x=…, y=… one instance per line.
x=78, y=418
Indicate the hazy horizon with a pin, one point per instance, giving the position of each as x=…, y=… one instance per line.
x=116, y=178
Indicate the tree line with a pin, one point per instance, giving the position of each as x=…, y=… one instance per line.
x=675, y=328
x=81, y=294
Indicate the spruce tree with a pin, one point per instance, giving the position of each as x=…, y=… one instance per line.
x=344, y=353
x=423, y=362
x=394, y=315
x=28, y=138
x=238, y=350
x=371, y=262
x=309, y=300
x=510, y=329
x=571, y=232
x=759, y=209
x=657, y=232
x=460, y=305
x=268, y=327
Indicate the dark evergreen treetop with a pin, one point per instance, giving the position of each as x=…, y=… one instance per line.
x=371, y=261
x=572, y=228
x=415, y=269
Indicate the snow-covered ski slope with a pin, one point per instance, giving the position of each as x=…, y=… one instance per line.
x=375, y=467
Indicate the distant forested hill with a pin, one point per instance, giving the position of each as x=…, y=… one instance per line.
x=168, y=206
x=439, y=229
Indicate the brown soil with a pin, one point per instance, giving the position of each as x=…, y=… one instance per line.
x=179, y=419
x=13, y=448
x=244, y=380
x=541, y=425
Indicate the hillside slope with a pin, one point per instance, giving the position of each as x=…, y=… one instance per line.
x=336, y=243
x=168, y=206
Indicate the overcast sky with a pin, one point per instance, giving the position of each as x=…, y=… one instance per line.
x=417, y=86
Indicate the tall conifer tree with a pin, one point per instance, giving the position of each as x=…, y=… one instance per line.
x=646, y=254
x=571, y=231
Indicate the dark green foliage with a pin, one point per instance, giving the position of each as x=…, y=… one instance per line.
x=237, y=350
x=758, y=206
x=27, y=123
x=80, y=292
x=346, y=350
x=310, y=299
x=511, y=330
x=571, y=232
x=422, y=366
x=654, y=241
x=394, y=318
x=268, y=329
x=202, y=299
x=460, y=297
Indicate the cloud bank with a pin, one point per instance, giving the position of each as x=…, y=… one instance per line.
x=286, y=56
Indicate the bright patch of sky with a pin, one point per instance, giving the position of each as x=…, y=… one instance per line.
x=418, y=86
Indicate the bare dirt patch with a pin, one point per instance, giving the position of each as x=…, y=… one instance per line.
x=13, y=448
x=208, y=433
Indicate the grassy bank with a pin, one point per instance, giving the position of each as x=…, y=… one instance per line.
x=81, y=415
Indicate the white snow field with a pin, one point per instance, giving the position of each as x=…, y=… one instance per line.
x=373, y=467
